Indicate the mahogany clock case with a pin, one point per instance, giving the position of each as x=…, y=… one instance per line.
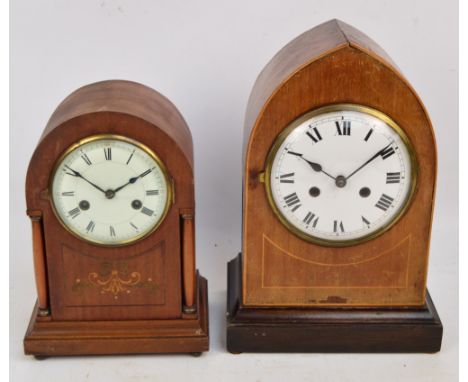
x=166, y=311
x=287, y=294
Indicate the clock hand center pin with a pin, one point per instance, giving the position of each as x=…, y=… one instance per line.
x=109, y=194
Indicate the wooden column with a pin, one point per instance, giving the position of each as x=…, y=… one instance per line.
x=40, y=265
x=188, y=262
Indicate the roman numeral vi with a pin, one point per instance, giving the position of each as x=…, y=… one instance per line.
x=338, y=226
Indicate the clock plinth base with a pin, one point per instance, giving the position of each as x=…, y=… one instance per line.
x=341, y=330
x=189, y=334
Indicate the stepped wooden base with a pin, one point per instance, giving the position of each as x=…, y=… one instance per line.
x=188, y=334
x=340, y=330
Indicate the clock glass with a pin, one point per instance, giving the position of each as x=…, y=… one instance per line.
x=110, y=190
x=340, y=175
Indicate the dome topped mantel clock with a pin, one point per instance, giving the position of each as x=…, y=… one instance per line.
x=110, y=193
x=339, y=180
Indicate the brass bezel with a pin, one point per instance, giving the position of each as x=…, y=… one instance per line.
x=327, y=109
x=169, y=185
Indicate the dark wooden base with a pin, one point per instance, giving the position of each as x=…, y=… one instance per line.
x=188, y=334
x=325, y=330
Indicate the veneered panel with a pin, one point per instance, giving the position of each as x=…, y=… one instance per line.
x=346, y=69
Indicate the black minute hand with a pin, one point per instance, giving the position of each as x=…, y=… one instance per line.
x=78, y=175
x=368, y=161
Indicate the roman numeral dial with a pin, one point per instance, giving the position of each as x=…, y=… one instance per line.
x=340, y=176
x=111, y=191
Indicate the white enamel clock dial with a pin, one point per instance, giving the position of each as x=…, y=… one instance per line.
x=110, y=190
x=340, y=175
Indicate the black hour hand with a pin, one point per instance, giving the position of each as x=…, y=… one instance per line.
x=134, y=179
x=315, y=166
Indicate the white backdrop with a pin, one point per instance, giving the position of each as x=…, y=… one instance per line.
x=205, y=56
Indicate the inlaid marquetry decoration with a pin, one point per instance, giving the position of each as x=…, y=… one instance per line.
x=110, y=193
x=113, y=280
x=114, y=283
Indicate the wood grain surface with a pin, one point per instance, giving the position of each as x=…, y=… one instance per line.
x=330, y=64
x=40, y=270
x=46, y=337
x=188, y=261
x=328, y=330
x=158, y=272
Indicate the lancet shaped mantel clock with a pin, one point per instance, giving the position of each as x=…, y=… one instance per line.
x=338, y=193
x=110, y=194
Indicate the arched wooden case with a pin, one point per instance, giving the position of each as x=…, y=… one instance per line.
x=73, y=316
x=331, y=64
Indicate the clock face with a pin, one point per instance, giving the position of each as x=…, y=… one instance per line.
x=110, y=190
x=340, y=175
